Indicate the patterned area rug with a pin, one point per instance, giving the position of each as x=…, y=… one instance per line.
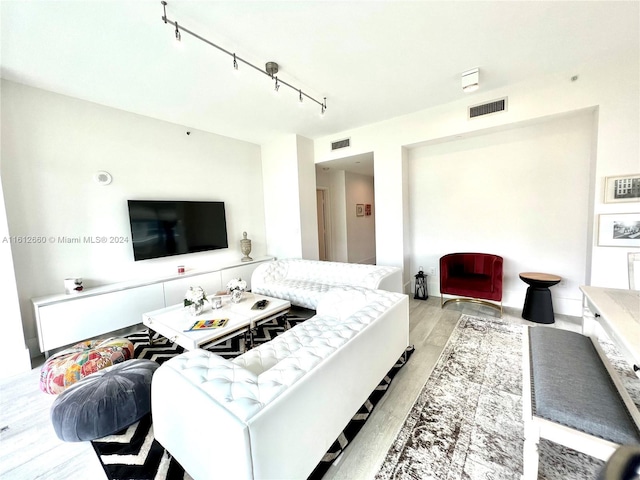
x=467, y=421
x=134, y=454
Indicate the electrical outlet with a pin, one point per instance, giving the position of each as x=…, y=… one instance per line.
x=432, y=270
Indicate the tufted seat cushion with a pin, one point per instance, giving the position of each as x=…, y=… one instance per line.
x=304, y=282
x=275, y=410
x=248, y=382
x=104, y=403
x=68, y=366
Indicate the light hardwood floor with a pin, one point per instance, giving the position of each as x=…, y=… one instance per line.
x=30, y=450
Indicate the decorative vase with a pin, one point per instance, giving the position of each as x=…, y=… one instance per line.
x=236, y=296
x=196, y=308
x=245, y=247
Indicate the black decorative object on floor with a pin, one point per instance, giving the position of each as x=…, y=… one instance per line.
x=134, y=454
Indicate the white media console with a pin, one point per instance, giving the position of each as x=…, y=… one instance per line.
x=65, y=319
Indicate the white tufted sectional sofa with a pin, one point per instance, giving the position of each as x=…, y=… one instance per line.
x=304, y=282
x=273, y=412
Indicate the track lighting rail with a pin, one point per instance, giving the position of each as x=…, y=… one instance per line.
x=179, y=29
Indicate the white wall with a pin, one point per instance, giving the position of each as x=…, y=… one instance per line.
x=290, y=197
x=51, y=147
x=281, y=208
x=610, y=87
x=14, y=356
x=521, y=193
x=307, y=199
x=391, y=205
x=361, y=239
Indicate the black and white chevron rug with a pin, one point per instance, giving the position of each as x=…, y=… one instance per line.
x=134, y=454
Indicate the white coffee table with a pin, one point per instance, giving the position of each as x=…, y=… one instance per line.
x=171, y=322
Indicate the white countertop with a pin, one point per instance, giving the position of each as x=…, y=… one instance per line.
x=619, y=310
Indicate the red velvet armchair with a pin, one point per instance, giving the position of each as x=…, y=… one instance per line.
x=475, y=276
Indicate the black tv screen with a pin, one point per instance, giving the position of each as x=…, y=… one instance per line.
x=162, y=228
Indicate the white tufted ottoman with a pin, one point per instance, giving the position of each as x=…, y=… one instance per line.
x=274, y=411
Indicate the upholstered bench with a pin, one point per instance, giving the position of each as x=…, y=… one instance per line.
x=572, y=396
x=104, y=403
x=68, y=366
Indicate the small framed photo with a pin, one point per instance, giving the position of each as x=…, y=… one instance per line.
x=360, y=210
x=619, y=230
x=625, y=188
x=367, y=209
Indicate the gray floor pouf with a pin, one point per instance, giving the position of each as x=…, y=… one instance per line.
x=104, y=402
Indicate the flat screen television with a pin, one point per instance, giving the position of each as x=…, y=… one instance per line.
x=161, y=228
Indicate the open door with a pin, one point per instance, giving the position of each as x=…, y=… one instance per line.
x=322, y=225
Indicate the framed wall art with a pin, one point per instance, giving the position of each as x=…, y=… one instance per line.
x=619, y=230
x=624, y=188
x=360, y=210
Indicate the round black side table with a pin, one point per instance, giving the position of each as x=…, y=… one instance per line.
x=538, y=306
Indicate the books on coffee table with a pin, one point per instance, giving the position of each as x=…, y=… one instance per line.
x=208, y=324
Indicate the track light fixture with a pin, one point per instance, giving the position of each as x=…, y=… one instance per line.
x=178, y=36
x=271, y=68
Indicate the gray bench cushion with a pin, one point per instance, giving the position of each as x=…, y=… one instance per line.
x=572, y=387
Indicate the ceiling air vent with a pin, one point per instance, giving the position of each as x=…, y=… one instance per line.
x=340, y=144
x=496, y=106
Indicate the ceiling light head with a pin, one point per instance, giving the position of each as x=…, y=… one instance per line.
x=178, y=36
x=471, y=80
x=235, y=62
x=271, y=68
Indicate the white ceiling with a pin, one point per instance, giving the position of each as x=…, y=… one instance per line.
x=373, y=60
x=361, y=164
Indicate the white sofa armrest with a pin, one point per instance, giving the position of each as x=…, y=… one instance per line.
x=391, y=280
x=202, y=425
x=268, y=272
